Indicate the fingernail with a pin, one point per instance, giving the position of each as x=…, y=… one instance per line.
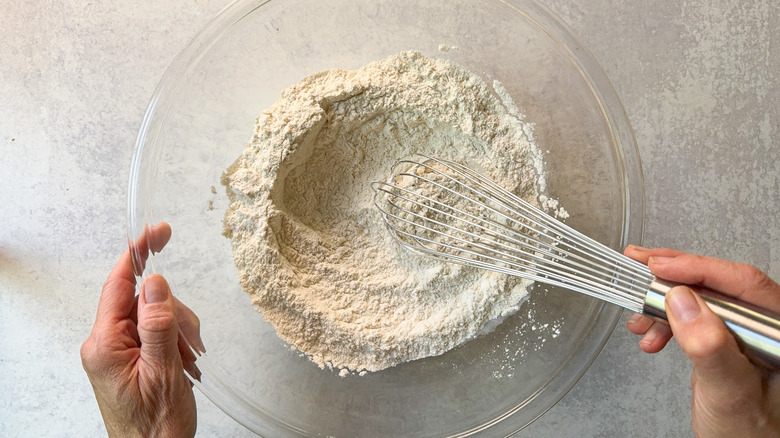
x=660, y=260
x=649, y=337
x=198, y=345
x=634, y=318
x=682, y=304
x=638, y=248
x=155, y=289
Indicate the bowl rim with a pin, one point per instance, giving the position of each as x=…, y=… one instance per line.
x=627, y=154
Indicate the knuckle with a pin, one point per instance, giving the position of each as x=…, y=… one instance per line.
x=86, y=350
x=755, y=277
x=710, y=342
x=89, y=355
x=693, y=260
x=158, y=322
x=114, y=283
x=719, y=341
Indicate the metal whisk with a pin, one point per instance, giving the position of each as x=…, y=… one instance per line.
x=445, y=210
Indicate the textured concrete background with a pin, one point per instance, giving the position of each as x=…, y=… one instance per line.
x=699, y=81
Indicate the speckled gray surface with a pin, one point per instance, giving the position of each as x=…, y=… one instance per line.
x=699, y=81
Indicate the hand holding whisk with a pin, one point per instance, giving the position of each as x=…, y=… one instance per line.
x=445, y=210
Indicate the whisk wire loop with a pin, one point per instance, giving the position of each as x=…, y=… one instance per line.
x=486, y=244
x=445, y=210
x=495, y=255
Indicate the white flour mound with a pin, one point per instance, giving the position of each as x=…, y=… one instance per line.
x=313, y=251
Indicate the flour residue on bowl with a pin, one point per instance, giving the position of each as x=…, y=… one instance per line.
x=311, y=249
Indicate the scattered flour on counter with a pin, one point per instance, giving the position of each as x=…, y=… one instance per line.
x=446, y=48
x=311, y=249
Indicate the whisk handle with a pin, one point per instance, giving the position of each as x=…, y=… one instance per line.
x=757, y=329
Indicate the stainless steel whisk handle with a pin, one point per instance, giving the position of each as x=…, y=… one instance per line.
x=756, y=329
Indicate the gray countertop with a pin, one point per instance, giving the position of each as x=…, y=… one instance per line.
x=699, y=81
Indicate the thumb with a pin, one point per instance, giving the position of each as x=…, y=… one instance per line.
x=158, y=328
x=720, y=369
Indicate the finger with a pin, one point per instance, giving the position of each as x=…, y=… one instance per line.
x=720, y=369
x=185, y=351
x=153, y=238
x=189, y=324
x=193, y=370
x=116, y=298
x=189, y=329
x=639, y=324
x=133, y=321
x=655, y=335
x=188, y=359
x=641, y=254
x=739, y=280
x=656, y=338
x=158, y=327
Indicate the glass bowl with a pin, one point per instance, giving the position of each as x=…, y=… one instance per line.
x=200, y=119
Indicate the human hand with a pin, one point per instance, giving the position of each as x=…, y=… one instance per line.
x=730, y=395
x=136, y=354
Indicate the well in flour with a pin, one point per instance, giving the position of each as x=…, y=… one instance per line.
x=311, y=249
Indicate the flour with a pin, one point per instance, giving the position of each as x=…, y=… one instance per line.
x=311, y=249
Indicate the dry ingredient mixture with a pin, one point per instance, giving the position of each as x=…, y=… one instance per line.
x=312, y=250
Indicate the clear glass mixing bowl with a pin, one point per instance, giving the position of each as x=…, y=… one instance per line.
x=200, y=118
